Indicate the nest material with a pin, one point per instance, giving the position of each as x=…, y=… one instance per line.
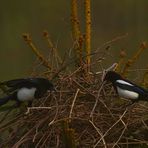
x=79, y=114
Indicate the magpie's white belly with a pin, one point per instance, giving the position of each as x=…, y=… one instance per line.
x=127, y=94
x=26, y=94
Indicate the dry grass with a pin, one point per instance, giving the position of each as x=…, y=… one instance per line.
x=68, y=118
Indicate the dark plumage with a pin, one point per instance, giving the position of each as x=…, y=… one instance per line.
x=125, y=88
x=27, y=89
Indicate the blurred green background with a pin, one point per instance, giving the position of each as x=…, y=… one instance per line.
x=109, y=20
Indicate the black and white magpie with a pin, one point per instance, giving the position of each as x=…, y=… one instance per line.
x=125, y=88
x=21, y=90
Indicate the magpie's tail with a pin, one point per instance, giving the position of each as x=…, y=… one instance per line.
x=4, y=100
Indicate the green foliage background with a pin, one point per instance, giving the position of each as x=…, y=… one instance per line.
x=109, y=19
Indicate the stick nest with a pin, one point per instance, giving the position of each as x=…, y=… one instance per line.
x=79, y=114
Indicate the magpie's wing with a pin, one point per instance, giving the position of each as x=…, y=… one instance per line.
x=138, y=88
x=132, y=87
x=13, y=83
x=18, y=83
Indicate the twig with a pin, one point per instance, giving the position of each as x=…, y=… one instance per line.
x=112, y=67
x=73, y=102
x=98, y=96
x=100, y=133
x=55, y=113
x=112, y=126
x=37, y=127
x=16, y=145
x=125, y=127
x=113, y=40
x=119, y=137
x=51, y=45
x=144, y=124
x=10, y=123
x=9, y=111
x=39, y=141
x=37, y=108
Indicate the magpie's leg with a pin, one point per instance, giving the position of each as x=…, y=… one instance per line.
x=29, y=103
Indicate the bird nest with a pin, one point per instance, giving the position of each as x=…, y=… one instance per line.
x=82, y=113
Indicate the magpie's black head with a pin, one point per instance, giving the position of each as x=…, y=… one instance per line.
x=112, y=76
x=46, y=84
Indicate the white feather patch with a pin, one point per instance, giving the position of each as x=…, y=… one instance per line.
x=124, y=82
x=127, y=94
x=26, y=94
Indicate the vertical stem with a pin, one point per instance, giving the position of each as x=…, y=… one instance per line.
x=88, y=33
x=76, y=30
x=68, y=135
x=74, y=19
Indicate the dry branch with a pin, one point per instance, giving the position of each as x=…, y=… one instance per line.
x=28, y=39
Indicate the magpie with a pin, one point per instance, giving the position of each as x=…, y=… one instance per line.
x=26, y=90
x=125, y=88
